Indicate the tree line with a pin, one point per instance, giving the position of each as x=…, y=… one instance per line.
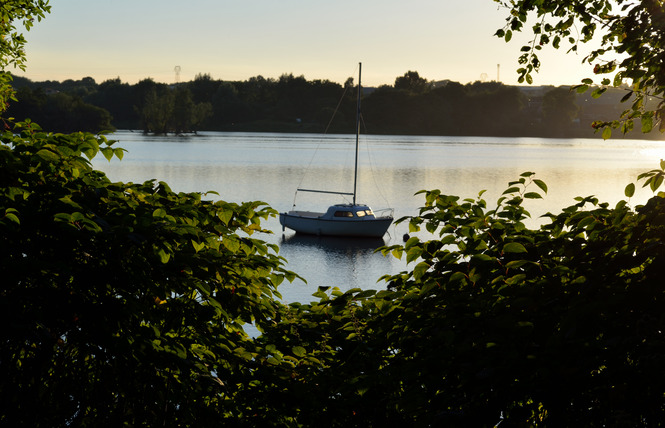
x=412, y=106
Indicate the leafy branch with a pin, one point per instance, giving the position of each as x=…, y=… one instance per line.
x=633, y=38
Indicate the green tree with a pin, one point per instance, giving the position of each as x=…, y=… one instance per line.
x=183, y=111
x=60, y=112
x=172, y=110
x=203, y=87
x=116, y=97
x=123, y=303
x=412, y=82
x=227, y=107
x=632, y=47
x=559, y=109
x=157, y=111
x=12, y=53
x=102, y=280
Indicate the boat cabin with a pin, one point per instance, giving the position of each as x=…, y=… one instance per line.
x=355, y=212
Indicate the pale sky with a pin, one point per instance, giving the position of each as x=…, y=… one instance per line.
x=236, y=40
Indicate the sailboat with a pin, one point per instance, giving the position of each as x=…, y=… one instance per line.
x=354, y=220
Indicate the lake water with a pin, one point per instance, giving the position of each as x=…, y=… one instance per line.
x=269, y=167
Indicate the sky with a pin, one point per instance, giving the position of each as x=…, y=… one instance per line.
x=238, y=39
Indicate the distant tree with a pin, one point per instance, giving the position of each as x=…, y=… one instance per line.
x=81, y=88
x=172, y=110
x=116, y=97
x=412, y=82
x=183, y=110
x=188, y=115
x=227, y=108
x=144, y=90
x=457, y=112
x=559, y=109
x=386, y=110
x=203, y=88
x=349, y=84
x=156, y=112
x=200, y=114
x=496, y=108
x=60, y=112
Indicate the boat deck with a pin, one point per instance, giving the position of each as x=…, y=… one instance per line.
x=306, y=213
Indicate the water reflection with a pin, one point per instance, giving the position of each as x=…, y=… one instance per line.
x=342, y=245
x=332, y=262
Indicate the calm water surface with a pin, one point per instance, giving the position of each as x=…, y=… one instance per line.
x=269, y=167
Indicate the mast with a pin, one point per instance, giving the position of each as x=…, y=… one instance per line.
x=355, y=174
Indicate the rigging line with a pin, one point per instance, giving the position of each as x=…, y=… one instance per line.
x=339, y=103
x=371, y=163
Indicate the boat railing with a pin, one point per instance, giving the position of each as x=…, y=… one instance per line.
x=384, y=212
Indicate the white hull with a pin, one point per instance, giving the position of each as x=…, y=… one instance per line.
x=327, y=225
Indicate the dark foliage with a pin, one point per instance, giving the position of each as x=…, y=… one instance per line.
x=292, y=104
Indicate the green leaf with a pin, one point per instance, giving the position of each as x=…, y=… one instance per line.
x=607, y=133
x=364, y=294
x=482, y=257
x=580, y=89
x=656, y=182
x=119, y=153
x=198, y=246
x=511, y=190
x=159, y=213
x=626, y=97
x=647, y=124
x=231, y=244
x=420, y=270
x=163, y=255
x=108, y=153
x=413, y=254
x=541, y=184
x=586, y=221
x=68, y=200
x=457, y=277
x=516, y=279
x=532, y=195
x=516, y=264
x=12, y=217
x=272, y=361
x=47, y=155
x=299, y=351
x=514, y=247
x=630, y=190
x=225, y=216
x=598, y=92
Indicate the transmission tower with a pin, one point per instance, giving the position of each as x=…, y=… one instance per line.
x=177, y=73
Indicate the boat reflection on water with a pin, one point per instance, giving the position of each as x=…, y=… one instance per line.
x=328, y=261
x=333, y=243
